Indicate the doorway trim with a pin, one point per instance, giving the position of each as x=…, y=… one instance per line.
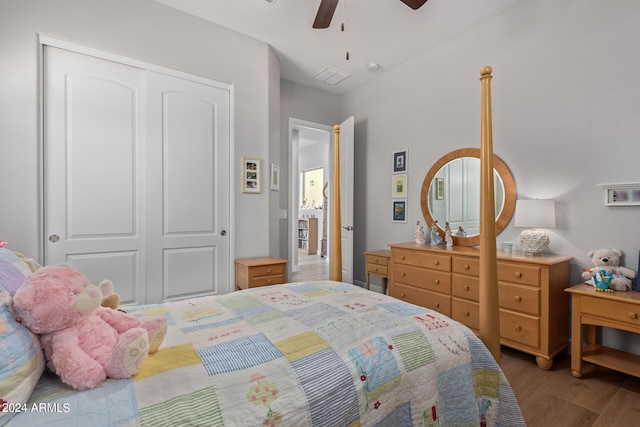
x=294, y=154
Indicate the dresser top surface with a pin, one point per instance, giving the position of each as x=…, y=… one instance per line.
x=472, y=251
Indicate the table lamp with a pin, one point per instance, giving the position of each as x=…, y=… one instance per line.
x=535, y=214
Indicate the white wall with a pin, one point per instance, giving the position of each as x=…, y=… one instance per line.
x=566, y=117
x=147, y=31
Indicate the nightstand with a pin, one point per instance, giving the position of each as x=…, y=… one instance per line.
x=619, y=310
x=260, y=271
x=378, y=265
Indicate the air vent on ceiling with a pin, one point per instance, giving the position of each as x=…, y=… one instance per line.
x=331, y=76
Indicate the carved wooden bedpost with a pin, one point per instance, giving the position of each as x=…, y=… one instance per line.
x=336, y=224
x=489, y=304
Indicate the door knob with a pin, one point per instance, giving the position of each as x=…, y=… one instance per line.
x=223, y=232
x=54, y=238
x=348, y=228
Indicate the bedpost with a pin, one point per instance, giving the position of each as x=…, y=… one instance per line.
x=489, y=308
x=336, y=224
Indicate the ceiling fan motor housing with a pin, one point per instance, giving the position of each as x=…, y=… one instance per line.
x=414, y=4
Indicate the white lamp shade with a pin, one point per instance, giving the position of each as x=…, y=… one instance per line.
x=536, y=213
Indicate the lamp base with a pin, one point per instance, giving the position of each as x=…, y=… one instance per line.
x=534, y=241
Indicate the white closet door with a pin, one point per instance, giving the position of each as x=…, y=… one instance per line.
x=187, y=234
x=121, y=178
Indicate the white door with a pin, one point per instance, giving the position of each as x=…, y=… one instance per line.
x=188, y=179
x=111, y=188
x=346, y=197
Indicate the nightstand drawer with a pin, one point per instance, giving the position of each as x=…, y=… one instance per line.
x=617, y=310
x=266, y=281
x=432, y=300
x=380, y=270
x=267, y=270
x=523, y=299
x=519, y=273
x=377, y=259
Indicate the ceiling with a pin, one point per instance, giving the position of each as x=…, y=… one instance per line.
x=387, y=32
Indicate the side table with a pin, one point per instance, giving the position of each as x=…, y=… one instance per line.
x=619, y=310
x=378, y=265
x=260, y=271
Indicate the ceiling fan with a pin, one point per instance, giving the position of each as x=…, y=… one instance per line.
x=328, y=7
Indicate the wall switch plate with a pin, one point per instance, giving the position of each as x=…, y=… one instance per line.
x=283, y=214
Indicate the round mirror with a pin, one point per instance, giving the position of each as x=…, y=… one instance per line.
x=451, y=194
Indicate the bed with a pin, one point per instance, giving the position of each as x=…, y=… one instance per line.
x=322, y=353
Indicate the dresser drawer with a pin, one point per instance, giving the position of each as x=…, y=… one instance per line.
x=422, y=259
x=520, y=328
x=466, y=312
x=432, y=300
x=465, y=265
x=617, y=310
x=523, y=299
x=467, y=287
x=380, y=270
x=519, y=273
x=266, y=270
x=422, y=278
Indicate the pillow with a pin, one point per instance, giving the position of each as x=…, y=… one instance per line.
x=22, y=361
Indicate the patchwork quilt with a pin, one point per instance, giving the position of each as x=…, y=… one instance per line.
x=299, y=354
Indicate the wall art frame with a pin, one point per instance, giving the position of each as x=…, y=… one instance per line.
x=399, y=186
x=400, y=161
x=250, y=175
x=399, y=211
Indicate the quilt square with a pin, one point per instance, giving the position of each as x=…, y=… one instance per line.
x=198, y=408
x=330, y=391
x=241, y=353
x=314, y=314
x=376, y=366
x=402, y=308
x=415, y=350
x=301, y=345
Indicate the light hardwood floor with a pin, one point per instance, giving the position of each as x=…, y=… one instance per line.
x=554, y=398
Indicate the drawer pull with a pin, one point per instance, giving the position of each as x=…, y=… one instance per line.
x=466, y=267
x=402, y=295
x=436, y=262
x=466, y=313
x=466, y=287
x=518, y=299
x=633, y=315
x=518, y=328
x=436, y=281
x=268, y=270
x=403, y=274
x=402, y=257
x=437, y=305
x=518, y=275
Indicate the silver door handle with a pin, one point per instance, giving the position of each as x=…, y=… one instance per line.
x=54, y=238
x=223, y=232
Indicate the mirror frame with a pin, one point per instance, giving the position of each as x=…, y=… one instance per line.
x=507, y=181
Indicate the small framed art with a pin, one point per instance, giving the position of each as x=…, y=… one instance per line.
x=400, y=161
x=439, y=188
x=627, y=194
x=399, y=211
x=275, y=177
x=250, y=175
x=398, y=186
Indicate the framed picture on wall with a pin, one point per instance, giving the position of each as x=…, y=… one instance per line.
x=398, y=186
x=399, y=211
x=400, y=161
x=250, y=175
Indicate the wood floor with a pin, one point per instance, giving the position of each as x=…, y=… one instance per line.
x=554, y=398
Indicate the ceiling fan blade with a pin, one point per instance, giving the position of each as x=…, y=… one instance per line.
x=325, y=13
x=414, y=4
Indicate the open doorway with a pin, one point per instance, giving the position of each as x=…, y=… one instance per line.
x=310, y=166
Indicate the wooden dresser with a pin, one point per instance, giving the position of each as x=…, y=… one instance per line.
x=534, y=309
x=260, y=271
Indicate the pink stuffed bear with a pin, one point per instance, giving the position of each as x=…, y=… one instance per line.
x=84, y=343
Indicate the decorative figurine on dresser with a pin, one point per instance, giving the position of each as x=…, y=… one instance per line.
x=435, y=237
x=418, y=234
x=447, y=235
